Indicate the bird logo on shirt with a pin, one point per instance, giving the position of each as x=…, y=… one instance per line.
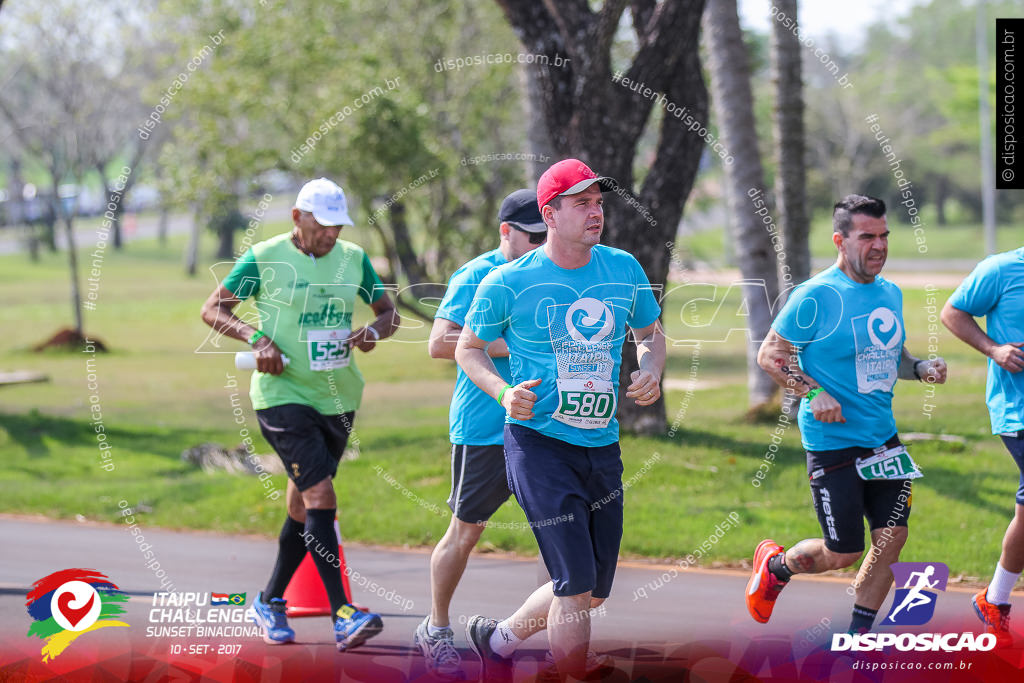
x=589, y=316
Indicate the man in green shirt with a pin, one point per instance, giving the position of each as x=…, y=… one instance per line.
x=304, y=284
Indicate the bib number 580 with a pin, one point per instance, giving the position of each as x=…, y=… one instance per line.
x=587, y=404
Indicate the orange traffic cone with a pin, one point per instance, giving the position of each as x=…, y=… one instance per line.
x=306, y=594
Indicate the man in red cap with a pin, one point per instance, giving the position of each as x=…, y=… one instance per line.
x=477, y=431
x=563, y=311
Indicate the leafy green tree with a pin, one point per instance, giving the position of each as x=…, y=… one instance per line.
x=328, y=89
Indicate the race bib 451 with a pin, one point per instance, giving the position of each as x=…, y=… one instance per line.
x=891, y=463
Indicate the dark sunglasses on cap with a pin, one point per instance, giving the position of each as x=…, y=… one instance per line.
x=535, y=237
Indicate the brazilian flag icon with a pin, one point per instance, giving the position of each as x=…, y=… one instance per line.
x=237, y=599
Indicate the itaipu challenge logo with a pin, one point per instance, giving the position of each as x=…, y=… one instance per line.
x=70, y=603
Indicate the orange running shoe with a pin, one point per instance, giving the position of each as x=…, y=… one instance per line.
x=996, y=618
x=763, y=587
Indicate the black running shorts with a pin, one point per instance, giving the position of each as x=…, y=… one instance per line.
x=842, y=499
x=309, y=443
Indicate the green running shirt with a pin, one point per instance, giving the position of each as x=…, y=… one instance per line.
x=306, y=307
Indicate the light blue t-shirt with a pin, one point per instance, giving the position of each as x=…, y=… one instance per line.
x=474, y=418
x=995, y=289
x=566, y=327
x=849, y=337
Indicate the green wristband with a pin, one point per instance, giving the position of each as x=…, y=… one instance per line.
x=813, y=392
x=502, y=394
x=256, y=336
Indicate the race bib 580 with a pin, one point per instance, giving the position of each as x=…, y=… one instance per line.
x=585, y=403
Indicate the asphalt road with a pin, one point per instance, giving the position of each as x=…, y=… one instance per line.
x=693, y=624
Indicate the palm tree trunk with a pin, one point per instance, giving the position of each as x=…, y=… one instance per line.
x=791, y=178
x=731, y=92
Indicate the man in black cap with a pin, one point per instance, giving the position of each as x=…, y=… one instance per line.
x=476, y=428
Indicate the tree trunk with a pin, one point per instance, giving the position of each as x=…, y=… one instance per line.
x=941, y=195
x=226, y=241
x=115, y=227
x=48, y=221
x=161, y=226
x=16, y=193
x=16, y=209
x=734, y=105
x=32, y=241
x=76, y=296
x=591, y=113
x=790, y=158
x=192, y=250
x=414, y=271
x=113, y=215
x=537, y=135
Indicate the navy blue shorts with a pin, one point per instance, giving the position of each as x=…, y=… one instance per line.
x=1015, y=444
x=572, y=497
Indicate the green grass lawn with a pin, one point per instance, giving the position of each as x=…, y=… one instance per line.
x=160, y=396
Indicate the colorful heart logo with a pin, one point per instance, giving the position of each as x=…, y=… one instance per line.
x=75, y=605
x=73, y=614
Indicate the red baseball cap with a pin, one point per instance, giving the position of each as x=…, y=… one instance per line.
x=568, y=176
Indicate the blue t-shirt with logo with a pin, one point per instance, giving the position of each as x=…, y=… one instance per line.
x=566, y=327
x=849, y=337
x=474, y=418
x=995, y=289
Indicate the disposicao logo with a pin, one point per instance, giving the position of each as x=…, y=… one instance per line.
x=69, y=603
x=914, y=603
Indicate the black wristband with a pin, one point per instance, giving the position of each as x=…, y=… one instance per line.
x=916, y=373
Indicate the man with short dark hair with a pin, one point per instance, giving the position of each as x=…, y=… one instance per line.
x=995, y=289
x=839, y=343
x=305, y=283
x=563, y=311
x=476, y=428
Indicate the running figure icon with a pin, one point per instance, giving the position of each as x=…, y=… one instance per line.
x=916, y=596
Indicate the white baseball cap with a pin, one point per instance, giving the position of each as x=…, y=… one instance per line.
x=325, y=200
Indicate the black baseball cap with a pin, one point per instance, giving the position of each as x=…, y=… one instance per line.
x=520, y=209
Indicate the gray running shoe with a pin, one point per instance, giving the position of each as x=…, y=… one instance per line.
x=443, y=660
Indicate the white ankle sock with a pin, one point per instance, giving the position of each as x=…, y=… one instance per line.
x=1002, y=583
x=503, y=641
x=434, y=630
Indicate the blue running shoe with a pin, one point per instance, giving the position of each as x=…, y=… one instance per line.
x=353, y=628
x=271, y=619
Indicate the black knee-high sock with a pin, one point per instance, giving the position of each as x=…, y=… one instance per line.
x=322, y=543
x=290, y=551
